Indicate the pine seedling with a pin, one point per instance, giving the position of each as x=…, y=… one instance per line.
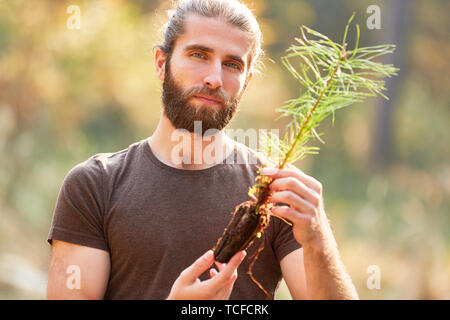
x=331, y=77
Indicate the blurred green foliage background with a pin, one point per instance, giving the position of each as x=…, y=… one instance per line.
x=68, y=94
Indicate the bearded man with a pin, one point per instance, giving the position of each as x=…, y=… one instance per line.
x=140, y=223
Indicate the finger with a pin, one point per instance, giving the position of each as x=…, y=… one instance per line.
x=230, y=270
x=292, y=171
x=202, y=264
x=295, y=201
x=220, y=265
x=212, y=272
x=296, y=186
x=291, y=214
x=225, y=292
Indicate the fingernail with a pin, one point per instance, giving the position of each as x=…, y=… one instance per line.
x=244, y=253
x=208, y=254
x=268, y=171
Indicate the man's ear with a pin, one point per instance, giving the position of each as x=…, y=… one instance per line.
x=247, y=81
x=160, y=63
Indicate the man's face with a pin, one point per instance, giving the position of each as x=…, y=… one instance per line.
x=206, y=75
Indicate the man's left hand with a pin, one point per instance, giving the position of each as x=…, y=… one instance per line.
x=304, y=207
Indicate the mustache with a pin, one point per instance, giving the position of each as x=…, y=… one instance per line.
x=216, y=93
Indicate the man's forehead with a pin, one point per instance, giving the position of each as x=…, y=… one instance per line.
x=217, y=34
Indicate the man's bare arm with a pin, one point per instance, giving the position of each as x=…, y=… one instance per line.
x=325, y=273
x=70, y=263
x=293, y=270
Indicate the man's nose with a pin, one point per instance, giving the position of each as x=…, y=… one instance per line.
x=213, y=79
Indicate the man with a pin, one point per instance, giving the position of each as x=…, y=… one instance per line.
x=134, y=222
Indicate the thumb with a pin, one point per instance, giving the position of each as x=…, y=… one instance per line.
x=198, y=267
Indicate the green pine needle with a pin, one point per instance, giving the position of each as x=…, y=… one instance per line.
x=332, y=78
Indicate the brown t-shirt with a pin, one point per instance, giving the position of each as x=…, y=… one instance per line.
x=156, y=220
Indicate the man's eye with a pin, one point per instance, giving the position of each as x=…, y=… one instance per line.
x=233, y=65
x=198, y=55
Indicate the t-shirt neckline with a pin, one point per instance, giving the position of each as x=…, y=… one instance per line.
x=149, y=152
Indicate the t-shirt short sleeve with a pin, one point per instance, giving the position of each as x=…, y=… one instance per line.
x=79, y=210
x=283, y=242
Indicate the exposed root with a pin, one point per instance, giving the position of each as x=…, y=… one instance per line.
x=249, y=220
x=250, y=268
x=283, y=219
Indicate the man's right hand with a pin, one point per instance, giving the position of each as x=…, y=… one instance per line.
x=189, y=287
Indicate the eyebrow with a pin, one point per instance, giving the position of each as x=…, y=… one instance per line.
x=209, y=50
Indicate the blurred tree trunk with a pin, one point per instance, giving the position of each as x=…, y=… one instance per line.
x=395, y=23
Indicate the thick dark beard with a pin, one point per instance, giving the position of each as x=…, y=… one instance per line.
x=182, y=114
